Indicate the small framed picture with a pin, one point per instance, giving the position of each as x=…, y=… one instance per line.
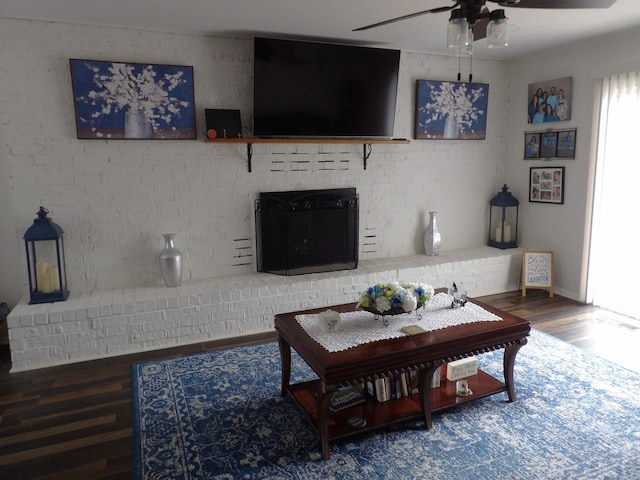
x=531, y=145
x=566, y=144
x=548, y=144
x=546, y=184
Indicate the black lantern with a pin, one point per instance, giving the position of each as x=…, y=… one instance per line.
x=45, y=260
x=503, y=220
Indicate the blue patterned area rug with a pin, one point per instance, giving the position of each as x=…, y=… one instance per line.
x=219, y=415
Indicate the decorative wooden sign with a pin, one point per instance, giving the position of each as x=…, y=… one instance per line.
x=537, y=270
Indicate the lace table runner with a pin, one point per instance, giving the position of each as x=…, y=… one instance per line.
x=360, y=327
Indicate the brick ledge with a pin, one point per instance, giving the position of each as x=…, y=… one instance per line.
x=123, y=321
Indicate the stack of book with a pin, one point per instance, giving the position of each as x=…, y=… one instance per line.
x=347, y=397
x=394, y=386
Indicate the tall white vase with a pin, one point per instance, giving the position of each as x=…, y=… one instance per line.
x=170, y=262
x=451, y=128
x=136, y=125
x=432, y=236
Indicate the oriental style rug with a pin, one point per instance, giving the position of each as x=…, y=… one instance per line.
x=219, y=415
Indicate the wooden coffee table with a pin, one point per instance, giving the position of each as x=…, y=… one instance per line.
x=424, y=353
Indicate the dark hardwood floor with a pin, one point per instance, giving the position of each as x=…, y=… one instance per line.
x=74, y=422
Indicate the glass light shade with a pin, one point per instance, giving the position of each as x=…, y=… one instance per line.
x=457, y=32
x=497, y=35
x=469, y=49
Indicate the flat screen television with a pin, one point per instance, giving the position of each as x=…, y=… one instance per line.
x=309, y=89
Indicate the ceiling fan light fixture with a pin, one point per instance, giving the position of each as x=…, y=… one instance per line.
x=457, y=30
x=497, y=35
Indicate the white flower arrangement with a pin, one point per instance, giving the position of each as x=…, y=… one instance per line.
x=454, y=101
x=124, y=88
x=395, y=297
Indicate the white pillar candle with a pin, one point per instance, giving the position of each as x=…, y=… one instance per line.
x=42, y=277
x=54, y=278
x=507, y=233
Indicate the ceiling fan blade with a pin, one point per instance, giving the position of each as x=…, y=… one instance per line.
x=406, y=17
x=551, y=4
x=480, y=29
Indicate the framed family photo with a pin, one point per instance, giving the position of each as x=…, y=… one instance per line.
x=550, y=100
x=451, y=110
x=550, y=144
x=566, y=144
x=546, y=184
x=115, y=100
x=532, y=145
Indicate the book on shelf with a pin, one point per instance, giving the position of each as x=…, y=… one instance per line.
x=404, y=387
x=435, y=381
x=398, y=385
x=347, y=397
x=391, y=380
x=381, y=389
x=413, y=379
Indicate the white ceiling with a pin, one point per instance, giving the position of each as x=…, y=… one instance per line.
x=530, y=30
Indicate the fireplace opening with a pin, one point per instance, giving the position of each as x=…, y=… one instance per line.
x=307, y=231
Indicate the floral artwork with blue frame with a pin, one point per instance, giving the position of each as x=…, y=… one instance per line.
x=133, y=101
x=451, y=110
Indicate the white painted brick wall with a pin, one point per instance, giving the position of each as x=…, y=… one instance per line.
x=114, y=199
x=116, y=322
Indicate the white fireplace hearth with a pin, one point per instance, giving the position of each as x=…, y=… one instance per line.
x=123, y=321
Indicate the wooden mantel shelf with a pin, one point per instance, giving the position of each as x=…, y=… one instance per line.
x=366, y=143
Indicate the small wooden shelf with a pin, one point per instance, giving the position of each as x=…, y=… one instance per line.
x=378, y=414
x=366, y=143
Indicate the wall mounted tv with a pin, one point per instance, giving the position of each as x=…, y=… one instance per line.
x=308, y=89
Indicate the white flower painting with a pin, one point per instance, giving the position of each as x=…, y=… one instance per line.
x=135, y=101
x=451, y=110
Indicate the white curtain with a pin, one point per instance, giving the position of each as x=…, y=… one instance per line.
x=614, y=266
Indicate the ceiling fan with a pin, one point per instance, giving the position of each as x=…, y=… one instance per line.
x=478, y=17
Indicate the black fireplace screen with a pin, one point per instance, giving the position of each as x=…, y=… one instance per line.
x=307, y=231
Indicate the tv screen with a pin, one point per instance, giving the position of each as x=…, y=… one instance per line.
x=309, y=89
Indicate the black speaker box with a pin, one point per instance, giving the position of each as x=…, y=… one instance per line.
x=223, y=123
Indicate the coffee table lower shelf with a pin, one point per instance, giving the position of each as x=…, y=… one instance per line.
x=380, y=414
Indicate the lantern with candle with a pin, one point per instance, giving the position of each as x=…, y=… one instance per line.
x=503, y=220
x=45, y=260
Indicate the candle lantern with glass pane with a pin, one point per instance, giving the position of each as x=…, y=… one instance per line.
x=503, y=220
x=44, y=243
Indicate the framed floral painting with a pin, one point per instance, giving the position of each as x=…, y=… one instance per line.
x=451, y=110
x=132, y=100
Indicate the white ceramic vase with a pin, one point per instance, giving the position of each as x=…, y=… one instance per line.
x=136, y=125
x=170, y=262
x=432, y=236
x=451, y=129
